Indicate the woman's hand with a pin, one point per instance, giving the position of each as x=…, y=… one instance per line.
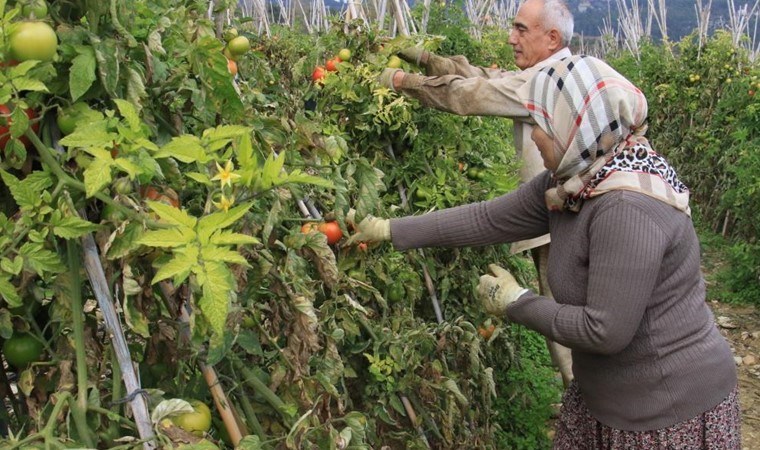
x=498, y=291
x=371, y=229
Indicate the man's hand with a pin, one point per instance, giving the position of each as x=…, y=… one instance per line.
x=497, y=291
x=386, y=78
x=412, y=55
x=371, y=229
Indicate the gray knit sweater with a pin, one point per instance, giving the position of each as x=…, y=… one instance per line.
x=629, y=298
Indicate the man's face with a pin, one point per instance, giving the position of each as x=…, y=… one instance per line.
x=531, y=42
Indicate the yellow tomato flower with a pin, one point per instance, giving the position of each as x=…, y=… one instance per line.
x=225, y=175
x=224, y=203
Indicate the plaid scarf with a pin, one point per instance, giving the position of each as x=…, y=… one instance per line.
x=597, y=120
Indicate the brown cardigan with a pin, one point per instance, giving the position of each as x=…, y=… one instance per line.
x=629, y=298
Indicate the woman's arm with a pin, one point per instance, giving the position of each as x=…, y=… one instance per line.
x=521, y=214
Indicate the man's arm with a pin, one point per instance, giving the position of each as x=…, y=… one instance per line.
x=466, y=96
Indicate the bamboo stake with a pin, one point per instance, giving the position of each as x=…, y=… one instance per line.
x=209, y=374
x=99, y=284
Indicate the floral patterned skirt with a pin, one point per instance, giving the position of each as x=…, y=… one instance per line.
x=716, y=429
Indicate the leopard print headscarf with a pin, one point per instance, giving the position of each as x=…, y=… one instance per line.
x=597, y=120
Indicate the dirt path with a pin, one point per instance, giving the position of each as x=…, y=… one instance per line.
x=741, y=326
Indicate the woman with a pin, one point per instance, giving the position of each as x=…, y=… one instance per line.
x=651, y=368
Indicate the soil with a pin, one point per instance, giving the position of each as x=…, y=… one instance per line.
x=741, y=326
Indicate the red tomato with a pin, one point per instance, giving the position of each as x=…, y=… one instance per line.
x=332, y=231
x=318, y=74
x=5, y=123
x=332, y=64
x=232, y=67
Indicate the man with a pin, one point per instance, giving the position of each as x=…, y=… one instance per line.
x=541, y=33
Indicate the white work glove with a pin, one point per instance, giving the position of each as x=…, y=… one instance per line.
x=497, y=291
x=412, y=55
x=371, y=229
x=385, y=78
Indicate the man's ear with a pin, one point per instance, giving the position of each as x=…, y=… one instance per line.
x=555, y=40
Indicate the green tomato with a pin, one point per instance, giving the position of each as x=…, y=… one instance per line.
x=239, y=45
x=196, y=422
x=230, y=34
x=33, y=40
x=79, y=113
x=21, y=349
x=396, y=292
x=35, y=9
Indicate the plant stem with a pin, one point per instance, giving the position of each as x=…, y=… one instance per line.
x=253, y=381
x=250, y=415
x=75, y=289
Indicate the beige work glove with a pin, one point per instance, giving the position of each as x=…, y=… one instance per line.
x=412, y=55
x=386, y=78
x=497, y=291
x=371, y=229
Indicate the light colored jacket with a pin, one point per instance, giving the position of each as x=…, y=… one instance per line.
x=453, y=85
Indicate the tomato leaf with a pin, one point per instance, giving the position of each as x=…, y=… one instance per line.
x=40, y=259
x=8, y=292
x=96, y=176
x=230, y=238
x=169, y=408
x=72, y=227
x=180, y=266
x=82, y=72
x=175, y=237
x=216, y=280
x=92, y=135
x=186, y=148
x=218, y=220
x=135, y=88
x=172, y=215
x=28, y=191
x=129, y=113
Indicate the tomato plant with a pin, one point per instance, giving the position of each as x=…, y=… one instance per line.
x=33, y=40
x=21, y=349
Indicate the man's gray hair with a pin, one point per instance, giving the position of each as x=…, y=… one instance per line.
x=557, y=15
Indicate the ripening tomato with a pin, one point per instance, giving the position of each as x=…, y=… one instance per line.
x=167, y=196
x=232, y=67
x=331, y=230
x=486, y=331
x=344, y=54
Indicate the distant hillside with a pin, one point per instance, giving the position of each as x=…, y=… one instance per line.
x=590, y=15
x=681, y=16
